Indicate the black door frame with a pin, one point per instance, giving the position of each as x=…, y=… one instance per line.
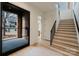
x=0, y=31
x=20, y=12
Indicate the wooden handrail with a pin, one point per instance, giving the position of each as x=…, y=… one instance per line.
x=76, y=21
x=52, y=33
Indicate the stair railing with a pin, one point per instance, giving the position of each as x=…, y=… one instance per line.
x=76, y=21
x=52, y=32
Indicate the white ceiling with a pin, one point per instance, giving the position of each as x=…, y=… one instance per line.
x=44, y=6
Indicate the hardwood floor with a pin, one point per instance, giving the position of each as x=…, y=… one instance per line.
x=43, y=48
x=36, y=51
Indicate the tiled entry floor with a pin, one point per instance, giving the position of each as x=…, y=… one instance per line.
x=35, y=51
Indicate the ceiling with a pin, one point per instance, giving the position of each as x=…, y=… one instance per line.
x=44, y=6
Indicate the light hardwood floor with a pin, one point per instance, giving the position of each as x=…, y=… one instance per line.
x=35, y=51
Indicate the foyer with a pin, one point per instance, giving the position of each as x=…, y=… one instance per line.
x=40, y=29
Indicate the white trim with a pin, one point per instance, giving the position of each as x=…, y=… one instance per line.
x=57, y=18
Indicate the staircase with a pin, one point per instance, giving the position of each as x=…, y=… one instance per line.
x=65, y=40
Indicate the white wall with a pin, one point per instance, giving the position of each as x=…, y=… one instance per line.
x=76, y=10
x=34, y=13
x=47, y=21
x=47, y=24
x=66, y=14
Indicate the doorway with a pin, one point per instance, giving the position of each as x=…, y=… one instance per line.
x=39, y=28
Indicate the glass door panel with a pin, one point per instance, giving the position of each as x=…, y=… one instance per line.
x=9, y=24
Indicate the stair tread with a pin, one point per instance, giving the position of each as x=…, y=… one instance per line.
x=72, y=26
x=66, y=21
x=65, y=32
x=65, y=35
x=66, y=28
x=65, y=38
x=68, y=48
x=65, y=44
x=65, y=49
x=68, y=24
x=62, y=52
x=73, y=41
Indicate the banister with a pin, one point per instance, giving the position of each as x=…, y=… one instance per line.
x=52, y=32
x=76, y=21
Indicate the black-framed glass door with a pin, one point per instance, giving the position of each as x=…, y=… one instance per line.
x=16, y=25
x=0, y=31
